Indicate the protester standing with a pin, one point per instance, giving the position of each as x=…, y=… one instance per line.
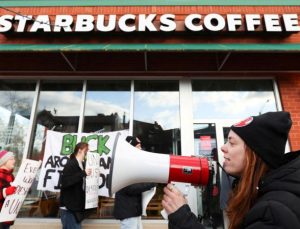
x=72, y=198
x=128, y=201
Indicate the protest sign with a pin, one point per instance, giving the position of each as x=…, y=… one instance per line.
x=92, y=181
x=60, y=145
x=23, y=182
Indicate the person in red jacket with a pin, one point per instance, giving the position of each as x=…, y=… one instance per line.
x=7, y=164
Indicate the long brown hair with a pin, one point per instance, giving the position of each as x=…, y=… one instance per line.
x=245, y=193
x=80, y=145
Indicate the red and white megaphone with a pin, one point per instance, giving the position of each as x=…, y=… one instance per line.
x=130, y=165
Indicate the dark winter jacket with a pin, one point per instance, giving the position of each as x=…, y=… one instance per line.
x=72, y=193
x=128, y=201
x=278, y=205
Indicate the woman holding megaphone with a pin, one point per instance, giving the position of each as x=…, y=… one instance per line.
x=267, y=194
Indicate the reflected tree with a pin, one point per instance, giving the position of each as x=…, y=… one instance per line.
x=19, y=107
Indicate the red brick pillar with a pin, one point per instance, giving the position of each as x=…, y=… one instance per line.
x=289, y=88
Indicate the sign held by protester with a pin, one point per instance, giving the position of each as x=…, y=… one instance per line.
x=60, y=145
x=23, y=182
x=92, y=181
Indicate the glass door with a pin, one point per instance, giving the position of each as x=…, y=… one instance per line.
x=209, y=136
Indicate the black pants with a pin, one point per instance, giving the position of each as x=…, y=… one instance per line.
x=4, y=226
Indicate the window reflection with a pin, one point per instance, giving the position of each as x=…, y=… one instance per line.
x=106, y=109
x=107, y=106
x=156, y=124
x=58, y=109
x=205, y=140
x=156, y=115
x=232, y=99
x=15, y=107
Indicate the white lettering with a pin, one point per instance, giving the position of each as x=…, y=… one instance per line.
x=189, y=22
x=146, y=22
x=272, y=23
x=252, y=21
x=63, y=22
x=216, y=19
x=167, y=23
x=150, y=22
x=234, y=20
x=41, y=22
x=291, y=22
x=111, y=24
x=22, y=22
x=84, y=23
x=123, y=23
x=5, y=23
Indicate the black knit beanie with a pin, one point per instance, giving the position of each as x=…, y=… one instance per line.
x=266, y=135
x=132, y=140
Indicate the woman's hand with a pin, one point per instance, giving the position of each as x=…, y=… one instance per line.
x=173, y=199
x=88, y=172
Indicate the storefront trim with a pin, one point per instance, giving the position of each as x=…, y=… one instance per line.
x=147, y=47
x=34, y=108
x=151, y=3
x=35, y=223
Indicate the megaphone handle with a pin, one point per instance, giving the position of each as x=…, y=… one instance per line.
x=184, y=188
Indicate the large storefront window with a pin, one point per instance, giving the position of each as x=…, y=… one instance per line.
x=156, y=123
x=58, y=109
x=106, y=109
x=107, y=106
x=16, y=100
x=215, y=104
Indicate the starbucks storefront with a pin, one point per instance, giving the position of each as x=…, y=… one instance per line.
x=177, y=88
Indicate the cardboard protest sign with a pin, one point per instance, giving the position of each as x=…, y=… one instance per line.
x=60, y=145
x=23, y=182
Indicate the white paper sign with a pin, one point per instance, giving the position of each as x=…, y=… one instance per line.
x=146, y=197
x=23, y=182
x=184, y=188
x=92, y=181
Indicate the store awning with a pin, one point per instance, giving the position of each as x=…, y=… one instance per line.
x=149, y=58
x=148, y=47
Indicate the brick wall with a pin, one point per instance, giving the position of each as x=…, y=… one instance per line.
x=289, y=88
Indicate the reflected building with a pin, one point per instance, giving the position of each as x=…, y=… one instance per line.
x=155, y=139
